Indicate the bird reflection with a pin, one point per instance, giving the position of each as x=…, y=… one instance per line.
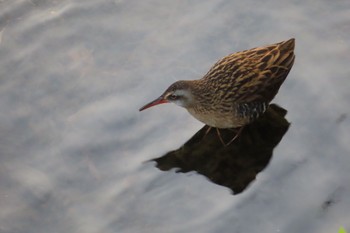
x=234, y=166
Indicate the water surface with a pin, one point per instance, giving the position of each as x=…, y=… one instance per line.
x=74, y=148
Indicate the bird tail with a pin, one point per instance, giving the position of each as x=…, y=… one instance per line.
x=286, y=58
x=288, y=44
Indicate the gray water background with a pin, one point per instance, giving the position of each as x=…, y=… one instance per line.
x=73, y=146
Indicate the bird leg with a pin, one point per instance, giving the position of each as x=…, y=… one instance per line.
x=219, y=135
x=207, y=131
x=236, y=136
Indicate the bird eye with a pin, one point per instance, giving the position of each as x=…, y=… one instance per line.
x=173, y=97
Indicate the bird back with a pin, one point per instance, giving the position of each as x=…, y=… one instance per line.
x=253, y=75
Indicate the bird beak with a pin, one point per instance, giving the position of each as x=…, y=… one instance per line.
x=157, y=101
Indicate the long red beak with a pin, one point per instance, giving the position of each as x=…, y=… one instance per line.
x=157, y=101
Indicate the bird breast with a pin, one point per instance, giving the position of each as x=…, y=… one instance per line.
x=218, y=119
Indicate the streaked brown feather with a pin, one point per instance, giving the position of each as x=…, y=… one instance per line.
x=238, y=88
x=251, y=77
x=252, y=74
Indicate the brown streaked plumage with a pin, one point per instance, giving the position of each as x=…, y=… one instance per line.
x=237, y=89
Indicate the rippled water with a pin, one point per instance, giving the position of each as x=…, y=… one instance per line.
x=75, y=150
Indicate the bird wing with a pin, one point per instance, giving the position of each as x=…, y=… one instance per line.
x=252, y=76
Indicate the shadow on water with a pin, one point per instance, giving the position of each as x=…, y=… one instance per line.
x=236, y=165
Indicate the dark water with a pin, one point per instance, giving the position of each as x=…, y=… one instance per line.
x=75, y=150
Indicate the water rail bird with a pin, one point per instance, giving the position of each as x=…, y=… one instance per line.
x=236, y=90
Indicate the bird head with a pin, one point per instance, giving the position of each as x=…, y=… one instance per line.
x=178, y=93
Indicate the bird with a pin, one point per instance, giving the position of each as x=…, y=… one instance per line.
x=236, y=90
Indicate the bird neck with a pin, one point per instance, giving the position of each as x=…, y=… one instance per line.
x=198, y=93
